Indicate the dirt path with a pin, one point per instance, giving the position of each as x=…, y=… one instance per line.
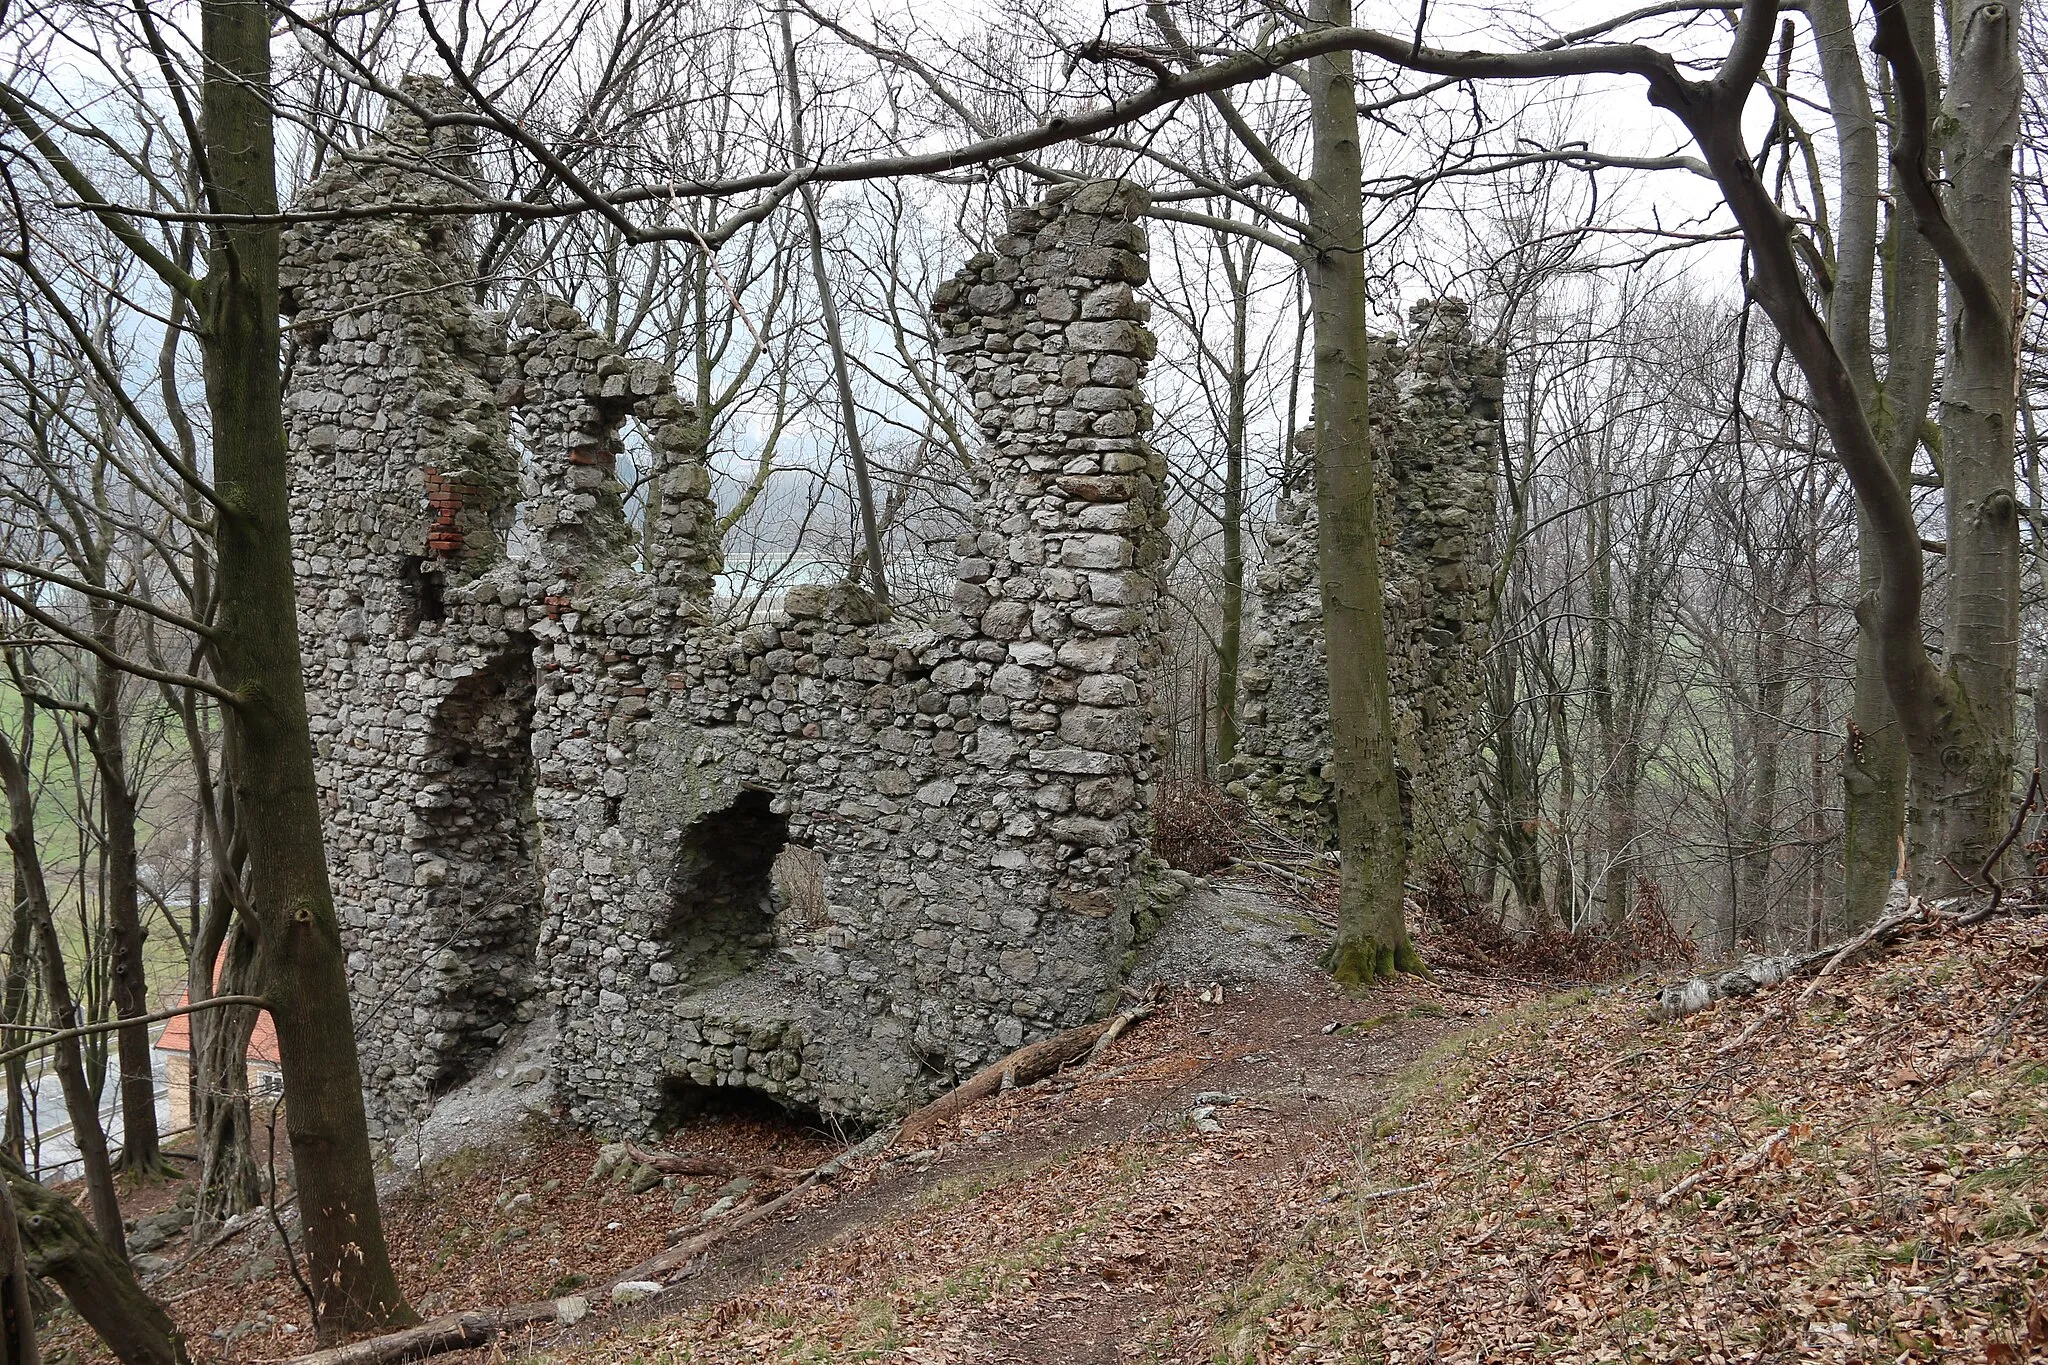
x=1091, y=1218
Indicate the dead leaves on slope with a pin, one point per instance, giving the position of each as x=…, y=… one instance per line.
x=1866, y=1180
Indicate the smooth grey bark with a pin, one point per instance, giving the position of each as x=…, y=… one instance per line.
x=299, y=965
x=1372, y=930
x=1967, y=810
x=1873, y=764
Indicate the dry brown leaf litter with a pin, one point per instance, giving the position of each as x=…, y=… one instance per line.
x=480, y=1232
x=1863, y=1181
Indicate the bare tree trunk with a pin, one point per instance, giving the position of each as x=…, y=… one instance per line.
x=1518, y=808
x=98, y=1280
x=1372, y=930
x=299, y=963
x=1229, y=643
x=1967, y=814
x=69, y=1061
x=1616, y=791
x=842, y=370
x=1769, y=721
x=1817, y=730
x=1564, y=881
x=1874, y=754
x=14, y=1011
x=17, y=1308
x=141, y=1147
x=221, y=1121
x=219, y=961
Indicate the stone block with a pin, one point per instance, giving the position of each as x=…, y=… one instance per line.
x=1096, y=552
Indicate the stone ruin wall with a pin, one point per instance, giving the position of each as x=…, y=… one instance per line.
x=826, y=857
x=1436, y=425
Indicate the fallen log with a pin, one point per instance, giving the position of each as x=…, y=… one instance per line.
x=666, y=1266
x=450, y=1332
x=1026, y=1066
x=1906, y=916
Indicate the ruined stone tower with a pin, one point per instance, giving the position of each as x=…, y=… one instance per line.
x=1436, y=426
x=825, y=857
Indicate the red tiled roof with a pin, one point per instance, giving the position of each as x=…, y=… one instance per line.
x=177, y=1034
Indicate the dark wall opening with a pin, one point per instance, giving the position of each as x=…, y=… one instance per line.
x=476, y=844
x=721, y=905
x=685, y=1103
x=420, y=590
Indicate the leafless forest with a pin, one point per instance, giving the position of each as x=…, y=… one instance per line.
x=1765, y=572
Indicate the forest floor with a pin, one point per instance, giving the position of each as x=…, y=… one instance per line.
x=1465, y=1169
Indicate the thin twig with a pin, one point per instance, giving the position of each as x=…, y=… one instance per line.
x=2019, y=819
x=1741, y=1166
x=291, y=1258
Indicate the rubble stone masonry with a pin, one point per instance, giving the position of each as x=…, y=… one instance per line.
x=1436, y=429
x=836, y=859
x=828, y=857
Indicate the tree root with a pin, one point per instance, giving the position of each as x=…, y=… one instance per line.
x=1363, y=962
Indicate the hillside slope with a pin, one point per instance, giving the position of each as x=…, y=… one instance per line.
x=1859, y=1177
x=1863, y=1178
x=1269, y=1170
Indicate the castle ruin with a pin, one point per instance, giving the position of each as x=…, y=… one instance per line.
x=831, y=858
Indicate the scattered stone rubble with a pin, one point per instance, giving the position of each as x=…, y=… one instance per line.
x=1436, y=425
x=825, y=857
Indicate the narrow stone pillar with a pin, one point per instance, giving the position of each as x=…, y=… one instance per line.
x=1436, y=429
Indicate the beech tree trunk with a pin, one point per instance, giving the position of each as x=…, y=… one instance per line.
x=1965, y=805
x=1873, y=764
x=299, y=962
x=1372, y=929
